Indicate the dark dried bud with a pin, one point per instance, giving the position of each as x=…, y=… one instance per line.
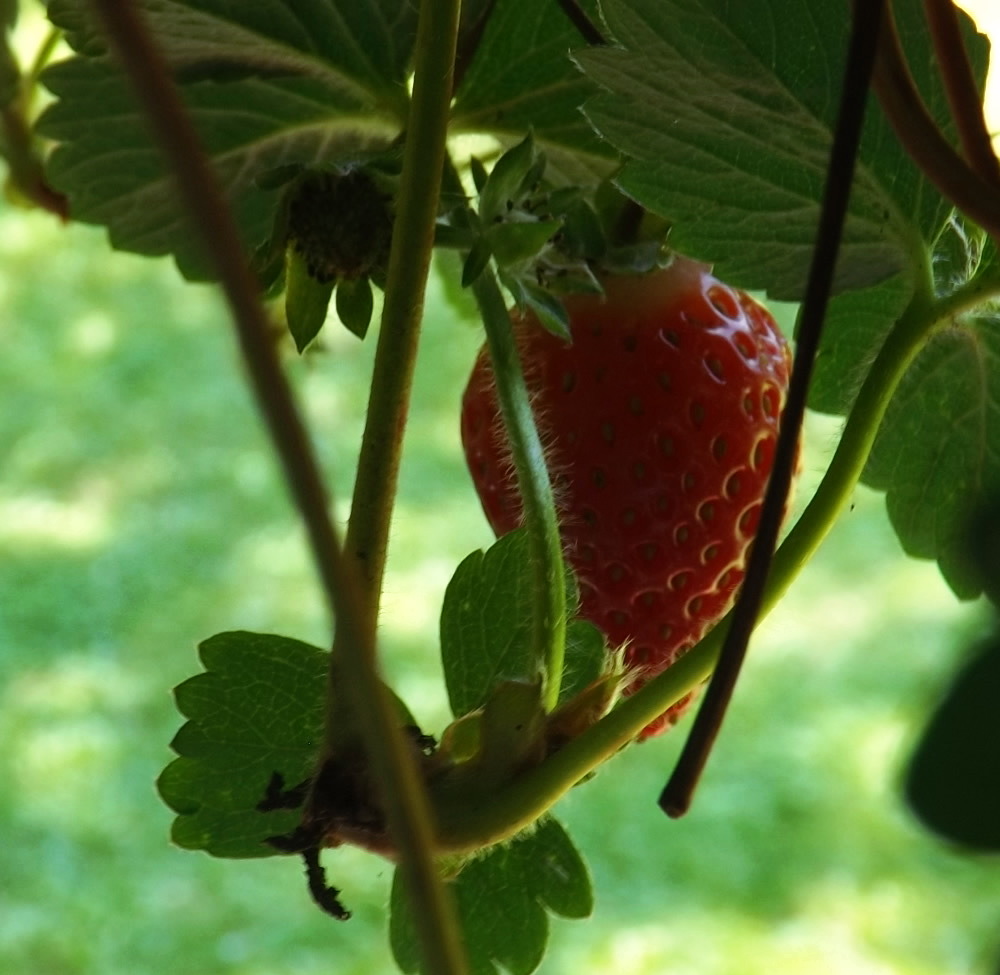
x=341, y=225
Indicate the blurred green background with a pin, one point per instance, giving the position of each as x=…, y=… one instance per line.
x=141, y=511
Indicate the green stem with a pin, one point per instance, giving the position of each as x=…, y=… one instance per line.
x=353, y=668
x=547, y=567
x=469, y=824
x=409, y=263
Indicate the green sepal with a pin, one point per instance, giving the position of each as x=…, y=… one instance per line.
x=512, y=173
x=476, y=261
x=503, y=900
x=549, y=309
x=479, y=173
x=307, y=301
x=512, y=733
x=354, y=304
x=514, y=243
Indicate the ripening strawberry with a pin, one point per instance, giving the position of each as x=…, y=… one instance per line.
x=660, y=420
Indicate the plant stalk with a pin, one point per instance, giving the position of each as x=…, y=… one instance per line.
x=409, y=263
x=535, y=488
x=393, y=764
x=406, y=802
x=964, y=98
x=678, y=793
x=919, y=134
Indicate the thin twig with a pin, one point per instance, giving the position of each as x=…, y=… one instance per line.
x=964, y=97
x=919, y=134
x=213, y=221
x=585, y=27
x=677, y=794
x=406, y=801
x=470, y=39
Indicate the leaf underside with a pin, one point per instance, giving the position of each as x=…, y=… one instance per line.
x=502, y=899
x=726, y=113
x=267, y=84
x=486, y=628
x=256, y=710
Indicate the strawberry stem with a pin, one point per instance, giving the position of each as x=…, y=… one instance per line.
x=538, y=501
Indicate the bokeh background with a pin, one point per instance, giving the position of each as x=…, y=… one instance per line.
x=141, y=511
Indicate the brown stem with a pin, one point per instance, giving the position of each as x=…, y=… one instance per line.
x=923, y=140
x=26, y=172
x=964, y=97
x=678, y=792
x=212, y=220
x=470, y=39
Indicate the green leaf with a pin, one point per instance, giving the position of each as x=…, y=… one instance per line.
x=361, y=47
x=936, y=454
x=857, y=323
x=486, y=628
x=218, y=822
x=265, y=90
x=953, y=782
x=306, y=300
x=586, y=655
x=522, y=78
x=726, y=112
x=257, y=710
x=503, y=899
x=354, y=305
x=486, y=623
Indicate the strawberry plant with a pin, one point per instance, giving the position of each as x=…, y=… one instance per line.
x=307, y=154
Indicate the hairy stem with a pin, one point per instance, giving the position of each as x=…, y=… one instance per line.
x=393, y=764
x=468, y=825
x=409, y=263
x=534, y=485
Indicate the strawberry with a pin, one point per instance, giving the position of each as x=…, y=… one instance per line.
x=660, y=420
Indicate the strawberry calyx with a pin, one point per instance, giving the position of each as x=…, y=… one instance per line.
x=547, y=240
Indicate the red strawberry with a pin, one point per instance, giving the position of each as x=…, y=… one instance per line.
x=660, y=421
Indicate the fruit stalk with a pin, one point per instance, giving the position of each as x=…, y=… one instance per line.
x=534, y=484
